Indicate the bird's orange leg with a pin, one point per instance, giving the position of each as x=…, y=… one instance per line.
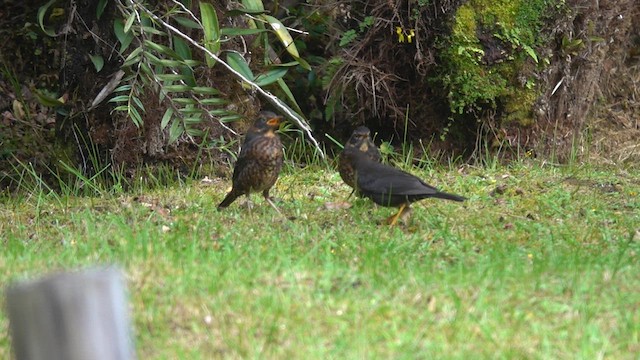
x=394, y=219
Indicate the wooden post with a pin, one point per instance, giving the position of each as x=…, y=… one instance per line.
x=71, y=316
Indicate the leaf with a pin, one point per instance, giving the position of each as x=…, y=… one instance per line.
x=289, y=94
x=176, y=130
x=169, y=52
x=213, y=101
x=176, y=88
x=102, y=4
x=47, y=100
x=205, y=90
x=170, y=77
x=181, y=48
x=239, y=64
x=270, y=76
x=236, y=12
x=129, y=22
x=98, y=62
x=283, y=35
x=124, y=39
x=119, y=98
x=133, y=58
x=166, y=118
x=211, y=31
x=253, y=5
x=240, y=32
x=188, y=23
x=42, y=11
x=135, y=116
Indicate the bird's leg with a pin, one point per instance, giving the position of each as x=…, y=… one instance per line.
x=352, y=192
x=394, y=219
x=270, y=201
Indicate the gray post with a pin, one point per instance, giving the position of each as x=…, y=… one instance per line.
x=71, y=316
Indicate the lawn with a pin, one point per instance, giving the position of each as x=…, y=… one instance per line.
x=541, y=262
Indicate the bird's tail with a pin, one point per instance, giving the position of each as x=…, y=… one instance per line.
x=447, y=196
x=230, y=198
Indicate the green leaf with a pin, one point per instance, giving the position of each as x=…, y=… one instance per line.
x=42, y=11
x=211, y=31
x=169, y=52
x=139, y=103
x=129, y=22
x=253, y=5
x=102, y=4
x=184, y=101
x=176, y=88
x=188, y=23
x=240, y=32
x=124, y=38
x=152, y=30
x=283, y=35
x=239, y=64
x=205, y=90
x=237, y=12
x=270, y=76
x=98, y=62
x=48, y=100
x=135, y=116
x=181, y=48
x=213, y=101
x=289, y=94
x=119, y=98
x=133, y=58
x=166, y=118
x=176, y=130
x=170, y=77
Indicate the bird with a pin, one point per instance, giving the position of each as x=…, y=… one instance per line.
x=259, y=162
x=391, y=187
x=360, y=141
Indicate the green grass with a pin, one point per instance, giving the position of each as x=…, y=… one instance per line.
x=545, y=268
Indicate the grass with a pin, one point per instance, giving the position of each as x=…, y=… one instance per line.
x=541, y=262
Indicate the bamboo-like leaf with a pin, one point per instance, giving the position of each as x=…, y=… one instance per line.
x=135, y=116
x=253, y=5
x=42, y=11
x=230, y=118
x=119, y=98
x=133, y=58
x=184, y=101
x=270, y=76
x=181, y=48
x=166, y=118
x=102, y=4
x=188, y=23
x=213, y=101
x=237, y=12
x=176, y=88
x=154, y=31
x=139, y=103
x=189, y=109
x=205, y=90
x=125, y=87
x=129, y=22
x=48, y=100
x=239, y=64
x=170, y=77
x=240, y=31
x=289, y=94
x=283, y=34
x=211, y=30
x=162, y=49
x=176, y=130
x=98, y=62
x=124, y=38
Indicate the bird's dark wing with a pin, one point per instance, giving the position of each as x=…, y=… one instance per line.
x=383, y=179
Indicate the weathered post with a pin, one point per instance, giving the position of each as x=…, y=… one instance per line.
x=71, y=316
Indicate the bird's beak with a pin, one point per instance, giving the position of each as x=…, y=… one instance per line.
x=274, y=121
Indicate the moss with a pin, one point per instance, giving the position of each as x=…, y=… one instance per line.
x=490, y=48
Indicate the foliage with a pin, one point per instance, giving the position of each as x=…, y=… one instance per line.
x=487, y=53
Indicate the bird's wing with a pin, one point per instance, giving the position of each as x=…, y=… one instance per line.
x=383, y=179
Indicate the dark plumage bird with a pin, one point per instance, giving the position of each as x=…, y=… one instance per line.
x=360, y=141
x=259, y=162
x=388, y=186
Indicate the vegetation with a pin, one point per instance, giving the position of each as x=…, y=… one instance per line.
x=540, y=262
